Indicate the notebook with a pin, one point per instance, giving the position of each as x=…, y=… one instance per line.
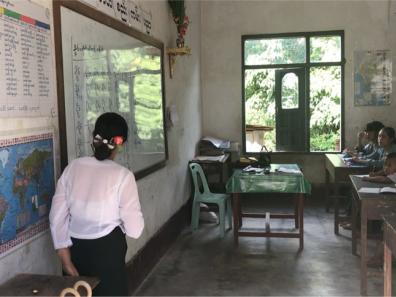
x=377, y=190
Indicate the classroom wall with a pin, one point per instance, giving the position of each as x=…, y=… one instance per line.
x=163, y=192
x=36, y=255
x=366, y=28
x=392, y=34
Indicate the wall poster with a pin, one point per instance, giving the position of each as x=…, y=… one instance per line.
x=372, y=77
x=28, y=184
x=26, y=60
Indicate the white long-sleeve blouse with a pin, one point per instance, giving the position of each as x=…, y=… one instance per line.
x=92, y=198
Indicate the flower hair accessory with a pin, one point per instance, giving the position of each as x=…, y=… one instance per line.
x=116, y=140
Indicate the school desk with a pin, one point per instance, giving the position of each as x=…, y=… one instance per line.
x=218, y=166
x=337, y=172
x=41, y=285
x=389, y=249
x=372, y=207
x=293, y=185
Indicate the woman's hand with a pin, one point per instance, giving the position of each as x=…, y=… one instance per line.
x=67, y=264
x=377, y=173
x=348, y=150
x=70, y=269
x=361, y=135
x=356, y=159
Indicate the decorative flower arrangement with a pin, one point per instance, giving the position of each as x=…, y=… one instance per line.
x=181, y=31
x=181, y=20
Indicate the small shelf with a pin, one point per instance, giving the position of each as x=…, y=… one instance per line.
x=172, y=53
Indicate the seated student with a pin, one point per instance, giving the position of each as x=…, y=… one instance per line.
x=367, y=141
x=388, y=175
x=386, y=141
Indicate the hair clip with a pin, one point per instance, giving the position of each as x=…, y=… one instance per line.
x=98, y=138
x=118, y=140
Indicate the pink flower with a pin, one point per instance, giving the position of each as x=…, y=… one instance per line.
x=182, y=29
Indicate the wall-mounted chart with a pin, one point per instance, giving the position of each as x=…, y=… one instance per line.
x=26, y=61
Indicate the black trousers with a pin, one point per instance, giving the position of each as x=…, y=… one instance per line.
x=103, y=258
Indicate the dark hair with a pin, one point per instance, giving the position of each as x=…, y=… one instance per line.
x=391, y=156
x=107, y=126
x=374, y=126
x=390, y=132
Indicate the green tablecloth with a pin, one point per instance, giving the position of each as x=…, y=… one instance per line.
x=275, y=182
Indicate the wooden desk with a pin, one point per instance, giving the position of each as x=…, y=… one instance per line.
x=46, y=285
x=372, y=207
x=338, y=172
x=255, y=133
x=280, y=183
x=220, y=167
x=389, y=249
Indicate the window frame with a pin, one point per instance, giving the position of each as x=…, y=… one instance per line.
x=307, y=65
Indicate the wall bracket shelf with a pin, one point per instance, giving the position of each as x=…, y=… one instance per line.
x=172, y=53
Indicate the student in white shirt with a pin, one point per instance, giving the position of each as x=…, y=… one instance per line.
x=95, y=203
x=388, y=175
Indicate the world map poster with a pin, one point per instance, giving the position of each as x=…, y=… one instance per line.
x=27, y=186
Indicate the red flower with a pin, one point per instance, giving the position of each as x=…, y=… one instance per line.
x=182, y=29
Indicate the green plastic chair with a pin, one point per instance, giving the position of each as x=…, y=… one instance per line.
x=222, y=200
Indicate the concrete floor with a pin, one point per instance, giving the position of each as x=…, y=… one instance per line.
x=202, y=263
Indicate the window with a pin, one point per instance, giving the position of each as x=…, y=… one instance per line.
x=293, y=91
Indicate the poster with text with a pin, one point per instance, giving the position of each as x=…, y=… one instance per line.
x=372, y=77
x=27, y=76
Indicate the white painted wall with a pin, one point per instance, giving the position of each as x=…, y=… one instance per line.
x=223, y=22
x=161, y=193
x=391, y=32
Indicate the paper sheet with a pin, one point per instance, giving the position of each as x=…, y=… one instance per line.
x=219, y=143
x=369, y=190
x=288, y=170
x=361, y=175
x=253, y=169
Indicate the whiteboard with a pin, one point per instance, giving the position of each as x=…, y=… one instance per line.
x=105, y=69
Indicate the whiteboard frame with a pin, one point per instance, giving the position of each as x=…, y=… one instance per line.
x=106, y=20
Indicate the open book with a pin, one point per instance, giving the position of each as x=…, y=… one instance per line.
x=378, y=190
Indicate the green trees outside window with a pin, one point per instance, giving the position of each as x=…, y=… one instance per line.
x=320, y=56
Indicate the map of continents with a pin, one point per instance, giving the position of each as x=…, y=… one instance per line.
x=27, y=186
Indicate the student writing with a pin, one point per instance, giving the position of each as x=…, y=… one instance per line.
x=387, y=174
